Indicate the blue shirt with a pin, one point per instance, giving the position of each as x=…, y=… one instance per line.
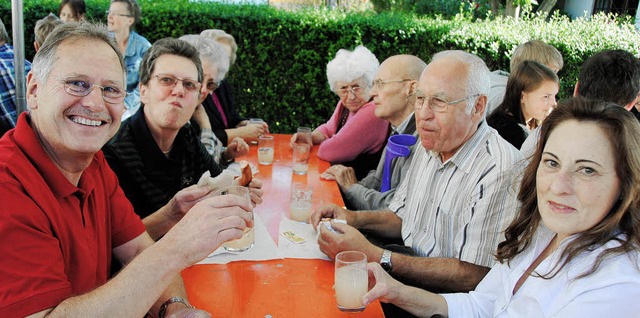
x=8, y=113
x=137, y=45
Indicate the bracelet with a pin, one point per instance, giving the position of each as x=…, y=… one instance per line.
x=163, y=308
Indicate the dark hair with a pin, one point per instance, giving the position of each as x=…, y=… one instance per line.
x=623, y=131
x=612, y=76
x=169, y=46
x=527, y=76
x=134, y=10
x=78, y=7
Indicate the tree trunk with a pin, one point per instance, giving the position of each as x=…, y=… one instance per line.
x=546, y=6
x=512, y=10
x=495, y=7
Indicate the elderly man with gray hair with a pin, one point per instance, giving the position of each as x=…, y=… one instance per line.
x=457, y=196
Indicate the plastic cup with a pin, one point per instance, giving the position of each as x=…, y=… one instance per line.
x=351, y=280
x=248, y=238
x=265, y=150
x=301, y=158
x=301, y=202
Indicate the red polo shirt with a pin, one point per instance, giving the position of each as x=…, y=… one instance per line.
x=55, y=238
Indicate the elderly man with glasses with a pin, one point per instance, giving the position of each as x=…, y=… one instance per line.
x=393, y=94
x=157, y=155
x=456, y=199
x=64, y=217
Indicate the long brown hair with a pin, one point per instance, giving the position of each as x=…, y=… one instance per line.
x=623, y=131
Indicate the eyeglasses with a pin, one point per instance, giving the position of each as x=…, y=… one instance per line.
x=379, y=84
x=437, y=103
x=81, y=88
x=116, y=14
x=212, y=86
x=354, y=89
x=168, y=80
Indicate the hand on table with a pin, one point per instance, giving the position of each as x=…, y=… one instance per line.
x=295, y=139
x=236, y=148
x=208, y=224
x=344, y=176
x=345, y=238
x=331, y=211
x=251, y=131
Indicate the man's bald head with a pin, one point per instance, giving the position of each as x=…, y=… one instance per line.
x=394, y=87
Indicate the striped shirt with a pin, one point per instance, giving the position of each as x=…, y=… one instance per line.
x=459, y=208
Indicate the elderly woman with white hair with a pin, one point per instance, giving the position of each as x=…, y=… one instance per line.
x=219, y=103
x=215, y=63
x=353, y=136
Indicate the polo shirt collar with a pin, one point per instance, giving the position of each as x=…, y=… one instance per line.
x=28, y=142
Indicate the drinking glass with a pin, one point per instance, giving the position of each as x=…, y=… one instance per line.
x=301, y=158
x=265, y=150
x=248, y=239
x=301, y=202
x=303, y=135
x=351, y=280
x=255, y=121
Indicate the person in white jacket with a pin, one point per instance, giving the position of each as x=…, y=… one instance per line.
x=572, y=250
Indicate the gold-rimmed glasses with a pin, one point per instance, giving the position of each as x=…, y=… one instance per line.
x=436, y=103
x=169, y=80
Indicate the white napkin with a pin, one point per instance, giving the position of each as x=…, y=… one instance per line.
x=263, y=249
x=308, y=250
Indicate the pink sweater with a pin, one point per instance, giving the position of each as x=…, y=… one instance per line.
x=362, y=133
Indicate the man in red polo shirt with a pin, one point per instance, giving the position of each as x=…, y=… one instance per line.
x=63, y=214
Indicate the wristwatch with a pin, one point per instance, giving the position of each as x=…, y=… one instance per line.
x=385, y=261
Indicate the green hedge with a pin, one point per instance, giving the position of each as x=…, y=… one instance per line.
x=280, y=71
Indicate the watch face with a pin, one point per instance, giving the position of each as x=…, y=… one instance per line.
x=386, y=267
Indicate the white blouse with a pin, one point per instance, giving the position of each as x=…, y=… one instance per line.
x=613, y=290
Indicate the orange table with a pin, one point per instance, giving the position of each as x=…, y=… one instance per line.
x=276, y=288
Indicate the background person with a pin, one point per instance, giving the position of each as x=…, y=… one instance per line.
x=533, y=50
x=72, y=10
x=353, y=136
x=529, y=98
x=8, y=108
x=122, y=16
x=215, y=63
x=64, y=217
x=42, y=29
x=393, y=93
x=219, y=105
x=573, y=249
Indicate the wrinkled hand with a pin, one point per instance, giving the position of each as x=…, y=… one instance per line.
x=331, y=211
x=184, y=312
x=185, y=199
x=344, y=176
x=252, y=131
x=296, y=139
x=208, y=224
x=348, y=238
x=236, y=148
x=255, y=189
x=381, y=285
